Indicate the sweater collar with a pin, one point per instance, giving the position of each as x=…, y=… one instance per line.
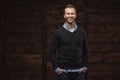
x=70, y=30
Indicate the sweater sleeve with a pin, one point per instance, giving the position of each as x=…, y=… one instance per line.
x=85, y=50
x=53, y=49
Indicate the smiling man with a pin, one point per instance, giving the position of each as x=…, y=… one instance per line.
x=68, y=52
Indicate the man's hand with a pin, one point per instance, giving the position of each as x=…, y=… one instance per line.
x=61, y=71
x=84, y=69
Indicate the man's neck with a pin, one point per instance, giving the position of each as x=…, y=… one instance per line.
x=71, y=26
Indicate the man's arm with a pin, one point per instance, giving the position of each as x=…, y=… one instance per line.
x=85, y=51
x=53, y=49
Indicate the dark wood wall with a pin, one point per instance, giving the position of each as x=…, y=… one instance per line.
x=26, y=28
x=104, y=39
x=21, y=37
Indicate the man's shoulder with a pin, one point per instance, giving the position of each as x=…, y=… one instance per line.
x=58, y=30
x=81, y=29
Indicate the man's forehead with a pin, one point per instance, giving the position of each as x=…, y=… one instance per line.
x=70, y=9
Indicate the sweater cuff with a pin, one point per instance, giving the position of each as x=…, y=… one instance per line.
x=85, y=68
x=57, y=69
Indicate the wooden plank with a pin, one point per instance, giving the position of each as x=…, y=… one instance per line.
x=104, y=75
x=24, y=62
x=104, y=67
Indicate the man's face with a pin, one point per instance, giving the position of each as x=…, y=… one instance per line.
x=70, y=15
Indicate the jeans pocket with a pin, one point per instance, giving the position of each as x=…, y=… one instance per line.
x=80, y=76
x=62, y=76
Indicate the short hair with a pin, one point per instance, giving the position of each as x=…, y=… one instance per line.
x=70, y=6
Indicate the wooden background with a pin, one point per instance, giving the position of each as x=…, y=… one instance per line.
x=26, y=27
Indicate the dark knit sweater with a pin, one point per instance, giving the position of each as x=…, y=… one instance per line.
x=69, y=49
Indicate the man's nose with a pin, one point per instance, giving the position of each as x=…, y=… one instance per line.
x=70, y=15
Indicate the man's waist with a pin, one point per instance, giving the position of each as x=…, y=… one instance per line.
x=73, y=70
x=70, y=66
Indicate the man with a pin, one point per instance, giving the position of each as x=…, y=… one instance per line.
x=69, y=48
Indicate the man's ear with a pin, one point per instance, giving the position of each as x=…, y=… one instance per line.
x=64, y=15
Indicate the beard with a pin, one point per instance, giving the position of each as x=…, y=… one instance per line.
x=70, y=21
